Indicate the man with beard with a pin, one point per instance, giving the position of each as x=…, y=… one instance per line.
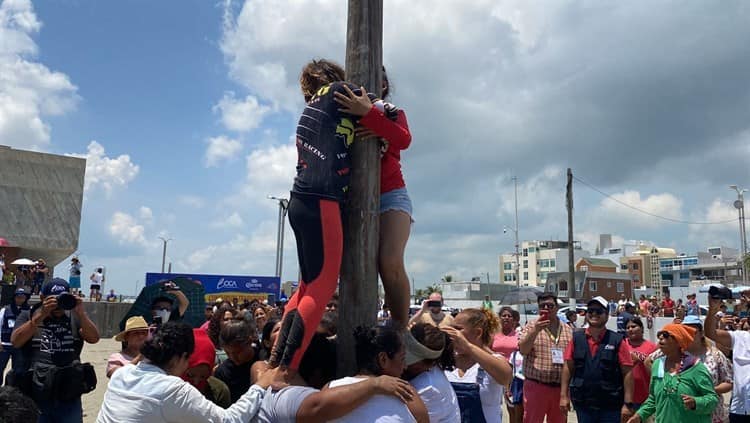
x=597, y=371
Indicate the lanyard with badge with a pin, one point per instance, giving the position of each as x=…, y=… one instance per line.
x=557, y=352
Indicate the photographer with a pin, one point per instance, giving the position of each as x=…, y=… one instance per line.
x=432, y=312
x=49, y=331
x=162, y=307
x=40, y=275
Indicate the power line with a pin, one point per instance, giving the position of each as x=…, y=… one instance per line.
x=687, y=222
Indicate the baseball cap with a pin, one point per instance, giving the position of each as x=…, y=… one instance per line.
x=20, y=292
x=692, y=320
x=599, y=300
x=55, y=287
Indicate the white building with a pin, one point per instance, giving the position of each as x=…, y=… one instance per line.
x=537, y=259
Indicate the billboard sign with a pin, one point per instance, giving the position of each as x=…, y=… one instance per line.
x=228, y=287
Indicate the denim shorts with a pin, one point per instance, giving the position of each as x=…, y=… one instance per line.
x=397, y=199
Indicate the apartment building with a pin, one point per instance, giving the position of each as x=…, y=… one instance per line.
x=537, y=259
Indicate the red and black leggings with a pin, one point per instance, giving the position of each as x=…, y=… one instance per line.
x=317, y=227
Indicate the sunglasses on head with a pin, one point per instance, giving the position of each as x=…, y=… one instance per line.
x=595, y=310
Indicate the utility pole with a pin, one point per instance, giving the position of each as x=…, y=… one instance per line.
x=518, y=260
x=739, y=204
x=571, y=265
x=164, y=252
x=358, y=287
x=283, y=208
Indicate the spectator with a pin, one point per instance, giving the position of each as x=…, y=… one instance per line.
x=667, y=306
x=260, y=314
x=384, y=315
x=487, y=303
x=239, y=341
x=153, y=392
x=132, y=339
x=654, y=309
x=505, y=341
x=41, y=271
x=219, y=320
x=16, y=407
x=380, y=351
x=268, y=337
x=429, y=353
x=621, y=303
x=163, y=305
x=8, y=316
x=97, y=279
x=626, y=314
x=480, y=376
x=643, y=305
x=514, y=395
x=542, y=344
x=75, y=275
x=111, y=297
x=571, y=316
x=432, y=312
x=640, y=349
x=53, y=334
x=681, y=389
x=333, y=303
x=597, y=371
x=328, y=324
x=208, y=312
x=200, y=371
x=692, y=308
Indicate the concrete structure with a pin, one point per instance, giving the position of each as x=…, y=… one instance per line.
x=538, y=259
x=590, y=284
x=40, y=204
x=467, y=294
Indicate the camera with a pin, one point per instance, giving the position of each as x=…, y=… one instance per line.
x=719, y=293
x=434, y=303
x=66, y=301
x=157, y=321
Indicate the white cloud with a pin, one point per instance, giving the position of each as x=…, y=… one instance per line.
x=234, y=220
x=221, y=148
x=105, y=172
x=727, y=234
x=192, y=201
x=146, y=214
x=270, y=171
x=241, y=115
x=29, y=91
x=126, y=229
x=664, y=204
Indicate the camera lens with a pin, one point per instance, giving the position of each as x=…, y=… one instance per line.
x=66, y=301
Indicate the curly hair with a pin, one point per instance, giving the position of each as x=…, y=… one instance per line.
x=435, y=339
x=172, y=339
x=318, y=73
x=214, y=325
x=371, y=341
x=483, y=319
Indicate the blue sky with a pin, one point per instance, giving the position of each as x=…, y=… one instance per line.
x=186, y=112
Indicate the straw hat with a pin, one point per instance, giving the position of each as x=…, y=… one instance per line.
x=133, y=323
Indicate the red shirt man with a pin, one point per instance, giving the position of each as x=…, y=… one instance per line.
x=667, y=304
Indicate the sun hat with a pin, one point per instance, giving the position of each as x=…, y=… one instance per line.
x=133, y=323
x=692, y=320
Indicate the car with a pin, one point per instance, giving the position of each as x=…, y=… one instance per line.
x=580, y=309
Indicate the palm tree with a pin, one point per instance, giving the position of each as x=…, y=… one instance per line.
x=434, y=288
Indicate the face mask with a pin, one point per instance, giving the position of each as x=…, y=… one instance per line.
x=164, y=314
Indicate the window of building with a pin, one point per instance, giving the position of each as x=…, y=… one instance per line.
x=507, y=266
x=532, y=249
x=509, y=277
x=584, y=268
x=525, y=264
x=609, y=284
x=624, y=266
x=684, y=275
x=620, y=286
x=563, y=285
x=592, y=286
x=552, y=263
x=525, y=252
x=635, y=266
x=525, y=276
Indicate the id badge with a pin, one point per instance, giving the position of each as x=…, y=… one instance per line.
x=11, y=323
x=557, y=356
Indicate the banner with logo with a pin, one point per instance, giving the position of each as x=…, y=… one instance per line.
x=228, y=287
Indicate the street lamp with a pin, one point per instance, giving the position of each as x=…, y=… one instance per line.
x=515, y=231
x=283, y=208
x=164, y=251
x=739, y=204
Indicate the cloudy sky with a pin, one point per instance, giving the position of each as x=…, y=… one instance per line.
x=186, y=111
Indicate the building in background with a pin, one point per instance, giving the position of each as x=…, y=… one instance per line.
x=589, y=284
x=538, y=259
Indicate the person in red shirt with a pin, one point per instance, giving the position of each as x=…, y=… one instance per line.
x=640, y=349
x=597, y=375
x=667, y=305
x=382, y=119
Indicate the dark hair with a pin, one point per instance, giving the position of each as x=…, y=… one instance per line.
x=503, y=309
x=318, y=365
x=318, y=73
x=172, y=339
x=214, y=325
x=516, y=315
x=268, y=327
x=238, y=330
x=634, y=320
x=435, y=339
x=570, y=313
x=161, y=298
x=483, y=319
x=387, y=85
x=371, y=341
x=15, y=407
x=329, y=322
x=546, y=295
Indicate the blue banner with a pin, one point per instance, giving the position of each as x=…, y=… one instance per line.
x=228, y=287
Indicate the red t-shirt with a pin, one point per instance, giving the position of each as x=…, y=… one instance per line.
x=397, y=137
x=667, y=305
x=641, y=379
x=623, y=356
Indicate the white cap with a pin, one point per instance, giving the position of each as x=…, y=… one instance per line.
x=599, y=299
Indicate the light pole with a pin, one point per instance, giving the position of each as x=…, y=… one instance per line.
x=283, y=207
x=739, y=204
x=164, y=251
x=515, y=232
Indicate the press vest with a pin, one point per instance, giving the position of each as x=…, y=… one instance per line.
x=9, y=320
x=597, y=381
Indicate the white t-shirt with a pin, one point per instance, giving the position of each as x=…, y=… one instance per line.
x=438, y=396
x=490, y=392
x=97, y=278
x=282, y=406
x=741, y=363
x=378, y=409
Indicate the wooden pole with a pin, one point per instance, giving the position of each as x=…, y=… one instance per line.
x=358, y=287
x=571, y=264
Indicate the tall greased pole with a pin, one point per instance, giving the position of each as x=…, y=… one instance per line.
x=358, y=285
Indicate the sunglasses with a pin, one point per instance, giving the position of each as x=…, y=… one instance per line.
x=597, y=311
x=663, y=334
x=547, y=306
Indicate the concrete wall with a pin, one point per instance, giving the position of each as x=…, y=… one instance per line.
x=41, y=196
x=107, y=316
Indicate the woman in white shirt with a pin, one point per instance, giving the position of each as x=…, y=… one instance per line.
x=380, y=351
x=153, y=392
x=480, y=376
x=429, y=352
